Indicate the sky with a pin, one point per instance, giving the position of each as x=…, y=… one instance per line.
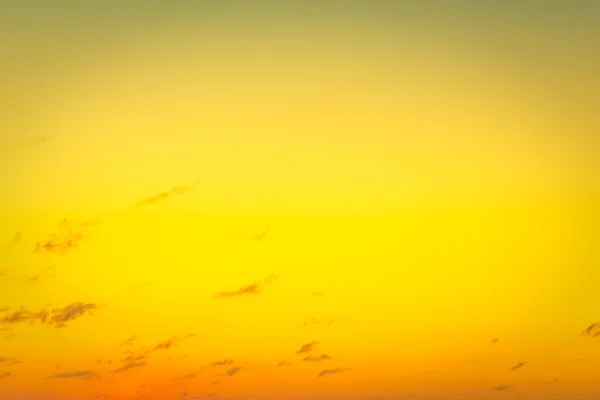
x=299, y=200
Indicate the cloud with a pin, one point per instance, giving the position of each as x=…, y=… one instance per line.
x=254, y=288
x=84, y=375
x=4, y=309
x=592, y=331
x=317, y=294
x=48, y=272
x=332, y=371
x=19, y=316
x=308, y=347
x=552, y=382
x=232, y=371
x=129, y=341
x=284, y=364
x=67, y=238
x=261, y=236
x=163, y=345
x=9, y=361
x=500, y=388
x=322, y=357
x=16, y=239
x=222, y=362
x=494, y=341
x=70, y=312
x=517, y=366
x=215, y=383
x=5, y=375
x=131, y=359
x=130, y=365
x=160, y=197
x=167, y=344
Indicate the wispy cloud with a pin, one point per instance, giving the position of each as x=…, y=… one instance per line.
x=160, y=197
x=129, y=366
x=46, y=273
x=284, y=364
x=16, y=239
x=84, y=375
x=130, y=359
x=517, y=366
x=254, y=288
x=67, y=238
x=495, y=340
x=500, y=388
x=552, y=382
x=593, y=330
x=4, y=309
x=71, y=312
x=308, y=347
x=222, y=362
x=232, y=371
x=322, y=357
x=167, y=344
x=129, y=341
x=5, y=375
x=332, y=371
x=57, y=317
x=7, y=361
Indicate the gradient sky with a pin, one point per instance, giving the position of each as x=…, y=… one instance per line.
x=299, y=200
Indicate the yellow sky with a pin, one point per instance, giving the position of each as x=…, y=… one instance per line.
x=402, y=204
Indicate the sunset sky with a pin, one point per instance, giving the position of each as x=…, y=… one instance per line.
x=311, y=200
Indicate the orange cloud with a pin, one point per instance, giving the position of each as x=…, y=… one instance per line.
x=222, y=362
x=593, y=330
x=332, y=371
x=517, y=366
x=85, y=375
x=129, y=341
x=552, y=382
x=160, y=197
x=5, y=375
x=57, y=317
x=9, y=361
x=322, y=357
x=232, y=371
x=500, y=388
x=308, y=347
x=130, y=365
